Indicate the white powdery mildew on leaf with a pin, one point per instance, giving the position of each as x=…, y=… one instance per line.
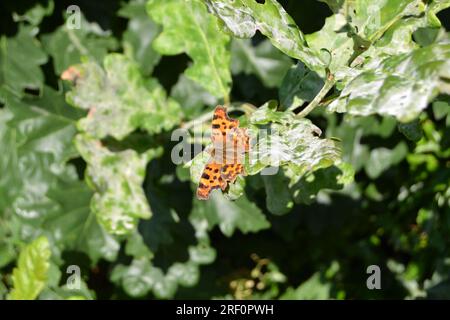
x=400, y=86
x=244, y=17
x=119, y=100
x=119, y=200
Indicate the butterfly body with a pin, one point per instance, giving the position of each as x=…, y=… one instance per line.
x=230, y=143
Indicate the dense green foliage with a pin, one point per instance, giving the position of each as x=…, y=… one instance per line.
x=354, y=97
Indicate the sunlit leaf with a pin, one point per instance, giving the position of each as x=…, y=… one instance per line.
x=400, y=86
x=244, y=17
x=187, y=27
x=116, y=178
x=120, y=100
x=30, y=275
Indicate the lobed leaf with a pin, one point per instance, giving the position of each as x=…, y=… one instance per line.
x=187, y=27
x=116, y=178
x=67, y=46
x=244, y=17
x=400, y=86
x=228, y=215
x=20, y=59
x=42, y=193
x=139, y=36
x=30, y=276
x=119, y=100
x=263, y=60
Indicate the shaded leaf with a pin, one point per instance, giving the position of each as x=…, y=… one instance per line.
x=20, y=60
x=300, y=85
x=412, y=130
x=228, y=215
x=35, y=15
x=278, y=197
x=42, y=193
x=262, y=60
x=191, y=96
x=315, y=288
x=68, y=46
x=139, y=36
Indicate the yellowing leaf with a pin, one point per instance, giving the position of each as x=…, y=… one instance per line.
x=30, y=275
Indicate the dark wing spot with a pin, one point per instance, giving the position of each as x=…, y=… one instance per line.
x=205, y=176
x=202, y=186
x=216, y=126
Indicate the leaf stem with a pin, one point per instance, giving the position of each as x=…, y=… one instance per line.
x=76, y=42
x=329, y=84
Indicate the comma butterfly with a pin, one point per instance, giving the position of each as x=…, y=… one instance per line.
x=230, y=143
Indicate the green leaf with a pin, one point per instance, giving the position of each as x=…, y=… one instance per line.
x=244, y=17
x=20, y=60
x=141, y=277
x=30, y=275
x=119, y=200
x=441, y=109
x=120, y=101
x=263, y=60
x=291, y=142
x=400, y=86
x=278, y=197
x=139, y=36
x=136, y=246
x=187, y=27
x=372, y=18
x=383, y=158
x=315, y=288
x=66, y=293
x=300, y=85
x=42, y=193
x=333, y=38
x=228, y=215
x=73, y=226
x=68, y=46
x=191, y=97
x=332, y=178
x=35, y=133
x=412, y=130
x=35, y=15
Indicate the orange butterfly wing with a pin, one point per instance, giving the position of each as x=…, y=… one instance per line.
x=211, y=179
x=229, y=143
